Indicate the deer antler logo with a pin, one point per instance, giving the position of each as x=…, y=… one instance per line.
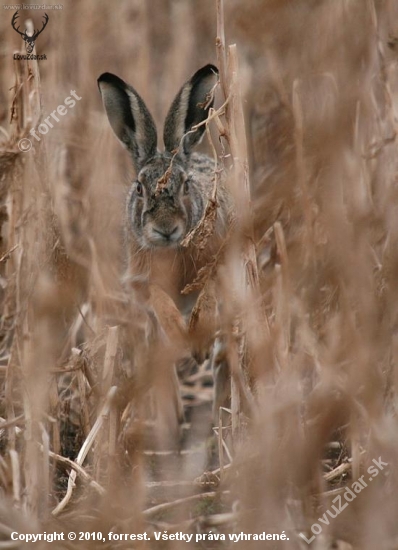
x=29, y=40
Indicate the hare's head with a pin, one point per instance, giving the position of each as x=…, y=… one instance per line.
x=167, y=198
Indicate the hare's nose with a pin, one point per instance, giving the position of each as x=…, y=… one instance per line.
x=167, y=234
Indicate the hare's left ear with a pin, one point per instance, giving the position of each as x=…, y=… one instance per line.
x=190, y=107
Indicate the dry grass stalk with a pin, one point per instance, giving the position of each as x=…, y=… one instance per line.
x=244, y=260
x=70, y=464
x=104, y=412
x=155, y=510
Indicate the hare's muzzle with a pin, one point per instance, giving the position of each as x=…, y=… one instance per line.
x=164, y=235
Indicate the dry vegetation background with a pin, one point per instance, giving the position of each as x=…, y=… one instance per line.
x=318, y=337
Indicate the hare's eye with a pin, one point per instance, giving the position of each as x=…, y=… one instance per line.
x=139, y=189
x=186, y=187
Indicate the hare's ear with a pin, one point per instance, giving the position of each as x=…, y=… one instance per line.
x=129, y=118
x=190, y=107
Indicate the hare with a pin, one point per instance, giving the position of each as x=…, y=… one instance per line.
x=171, y=190
x=170, y=193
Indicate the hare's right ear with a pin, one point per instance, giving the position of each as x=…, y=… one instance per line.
x=129, y=118
x=190, y=107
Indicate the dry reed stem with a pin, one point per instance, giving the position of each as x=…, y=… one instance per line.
x=247, y=280
x=18, y=420
x=85, y=413
x=220, y=44
x=201, y=233
x=46, y=479
x=16, y=476
x=301, y=167
x=337, y=472
x=104, y=412
x=161, y=508
x=7, y=255
x=220, y=442
x=112, y=339
x=79, y=470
